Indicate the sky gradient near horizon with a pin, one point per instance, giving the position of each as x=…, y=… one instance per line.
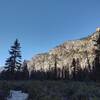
x=42, y=24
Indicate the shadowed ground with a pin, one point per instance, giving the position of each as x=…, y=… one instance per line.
x=54, y=90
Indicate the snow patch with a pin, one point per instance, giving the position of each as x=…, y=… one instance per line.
x=17, y=95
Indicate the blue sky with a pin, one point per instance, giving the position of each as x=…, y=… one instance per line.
x=42, y=24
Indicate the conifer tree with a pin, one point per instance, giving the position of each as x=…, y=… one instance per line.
x=55, y=66
x=78, y=69
x=74, y=68
x=96, y=70
x=54, y=70
x=13, y=63
x=25, y=72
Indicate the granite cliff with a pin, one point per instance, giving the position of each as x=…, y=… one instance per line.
x=82, y=49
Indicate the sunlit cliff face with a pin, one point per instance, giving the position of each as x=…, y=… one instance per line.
x=82, y=49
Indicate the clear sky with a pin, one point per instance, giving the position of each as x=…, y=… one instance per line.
x=42, y=24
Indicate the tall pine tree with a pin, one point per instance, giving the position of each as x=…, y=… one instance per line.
x=13, y=63
x=96, y=70
x=74, y=69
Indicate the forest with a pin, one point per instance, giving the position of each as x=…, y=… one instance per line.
x=15, y=69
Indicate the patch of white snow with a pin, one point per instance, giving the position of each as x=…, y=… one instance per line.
x=17, y=95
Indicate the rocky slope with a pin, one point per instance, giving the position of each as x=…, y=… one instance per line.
x=82, y=49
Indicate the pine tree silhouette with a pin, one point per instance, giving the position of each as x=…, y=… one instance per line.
x=25, y=72
x=96, y=70
x=74, y=69
x=13, y=63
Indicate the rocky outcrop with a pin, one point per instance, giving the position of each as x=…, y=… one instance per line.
x=82, y=49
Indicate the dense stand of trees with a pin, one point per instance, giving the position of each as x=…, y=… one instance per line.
x=15, y=70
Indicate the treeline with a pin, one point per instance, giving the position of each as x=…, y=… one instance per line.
x=15, y=70
x=73, y=72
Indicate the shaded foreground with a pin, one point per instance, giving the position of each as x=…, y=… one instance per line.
x=54, y=90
